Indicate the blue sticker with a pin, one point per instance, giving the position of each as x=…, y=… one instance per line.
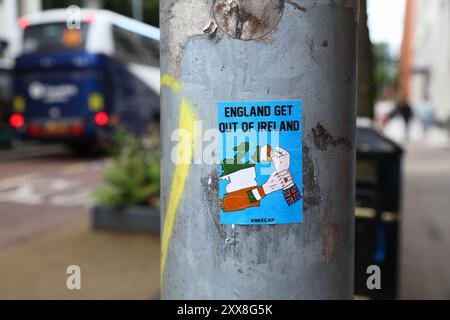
x=260, y=162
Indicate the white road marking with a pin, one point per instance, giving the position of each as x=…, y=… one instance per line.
x=24, y=195
x=79, y=198
x=62, y=191
x=14, y=182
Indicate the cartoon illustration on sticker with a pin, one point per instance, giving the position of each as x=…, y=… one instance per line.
x=243, y=191
x=261, y=177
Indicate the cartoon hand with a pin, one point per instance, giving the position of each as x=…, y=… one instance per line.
x=278, y=181
x=281, y=158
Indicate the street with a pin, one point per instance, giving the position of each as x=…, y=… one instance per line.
x=45, y=198
x=425, y=247
x=40, y=192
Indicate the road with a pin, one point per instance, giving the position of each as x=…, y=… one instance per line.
x=45, y=197
x=42, y=188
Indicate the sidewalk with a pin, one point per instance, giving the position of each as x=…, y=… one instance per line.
x=425, y=215
x=425, y=244
x=113, y=265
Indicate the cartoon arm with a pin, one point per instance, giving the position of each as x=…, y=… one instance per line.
x=251, y=197
x=282, y=161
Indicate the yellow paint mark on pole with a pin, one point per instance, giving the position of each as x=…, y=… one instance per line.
x=171, y=82
x=181, y=173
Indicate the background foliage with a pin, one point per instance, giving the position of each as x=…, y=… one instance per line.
x=134, y=177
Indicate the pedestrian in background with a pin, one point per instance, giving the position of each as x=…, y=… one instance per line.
x=404, y=110
x=426, y=114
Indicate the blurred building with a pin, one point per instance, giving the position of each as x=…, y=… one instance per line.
x=425, y=61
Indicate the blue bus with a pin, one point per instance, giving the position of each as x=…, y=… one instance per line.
x=77, y=82
x=6, y=133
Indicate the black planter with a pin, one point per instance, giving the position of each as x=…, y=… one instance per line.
x=130, y=219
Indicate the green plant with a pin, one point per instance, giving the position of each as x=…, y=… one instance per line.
x=134, y=177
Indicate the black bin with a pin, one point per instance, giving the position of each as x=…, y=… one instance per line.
x=378, y=201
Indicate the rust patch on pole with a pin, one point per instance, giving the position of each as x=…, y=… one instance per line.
x=248, y=19
x=312, y=196
x=296, y=5
x=324, y=140
x=331, y=243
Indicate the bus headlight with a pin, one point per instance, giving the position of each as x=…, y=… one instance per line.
x=19, y=104
x=96, y=102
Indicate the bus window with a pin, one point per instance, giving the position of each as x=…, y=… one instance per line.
x=53, y=37
x=133, y=48
x=152, y=48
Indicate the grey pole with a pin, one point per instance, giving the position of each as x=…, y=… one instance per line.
x=257, y=50
x=94, y=4
x=138, y=10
